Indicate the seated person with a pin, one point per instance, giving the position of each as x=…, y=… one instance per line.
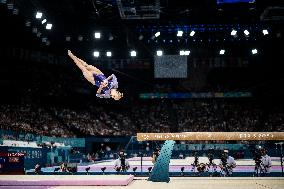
x=121, y=164
x=63, y=167
x=38, y=169
x=155, y=155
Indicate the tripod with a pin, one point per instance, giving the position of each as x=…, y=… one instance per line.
x=281, y=154
x=257, y=168
x=211, y=167
x=195, y=163
x=224, y=169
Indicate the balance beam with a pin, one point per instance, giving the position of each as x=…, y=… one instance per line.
x=211, y=136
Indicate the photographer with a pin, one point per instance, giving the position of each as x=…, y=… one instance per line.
x=195, y=164
x=121, y=164
x=155, y=155
x=257, y=159
x=38, y=169
x=210, y=156
x=211, y=166
x=265, y=163
x=227, y=164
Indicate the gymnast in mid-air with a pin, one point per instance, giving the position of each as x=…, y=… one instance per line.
x=107, y=85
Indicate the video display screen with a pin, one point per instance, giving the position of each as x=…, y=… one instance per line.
x=234, y=1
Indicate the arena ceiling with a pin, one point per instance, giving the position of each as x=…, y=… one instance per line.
x=77, y=20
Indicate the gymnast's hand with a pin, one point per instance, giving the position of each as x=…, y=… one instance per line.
x=104, y=84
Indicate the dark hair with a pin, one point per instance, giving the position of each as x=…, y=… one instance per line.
x=157, y=149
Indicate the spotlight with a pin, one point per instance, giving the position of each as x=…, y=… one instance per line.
x=108, y=53
x=38, y=34
x=246, y=32
x=10, y=6
x=15, y=11
x=157, y=34
x=159, y=53
x=184, y=53
x=192, y=33
x=80, y=38
x=254, y=51
x=140, y=37
x=179, y=33
x=44, y=40
x=233, y=32
x=34, y=30
x=43, y=21
x=48, y=26
x=133, y=53
x=110, y=38
x=68, y=38
x=222, y=51
x=96, y=53
x=28, y=23
x=97, y=35
x=134, y=169
x=265, y=32
x=38, y=15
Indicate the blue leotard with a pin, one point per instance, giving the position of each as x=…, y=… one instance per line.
x=112, y=84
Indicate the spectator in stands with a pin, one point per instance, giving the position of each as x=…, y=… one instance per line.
x=192, y=116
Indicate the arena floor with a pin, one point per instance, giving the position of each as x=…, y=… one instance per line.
x=199, y=183
x=243, y=165
x=180, y=183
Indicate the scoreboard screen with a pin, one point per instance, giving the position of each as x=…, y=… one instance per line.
x=12, y=163
x=170, y=66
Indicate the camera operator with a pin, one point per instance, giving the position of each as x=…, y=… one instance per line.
x=265, y=163
x=211, y=165
x=257, y=159
x=38, y=169
x=195, y=164
x=210, y=156
x=155, y=155
x=227, y=164
x=121, y=164
x=196, y=158
x=64, y=167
